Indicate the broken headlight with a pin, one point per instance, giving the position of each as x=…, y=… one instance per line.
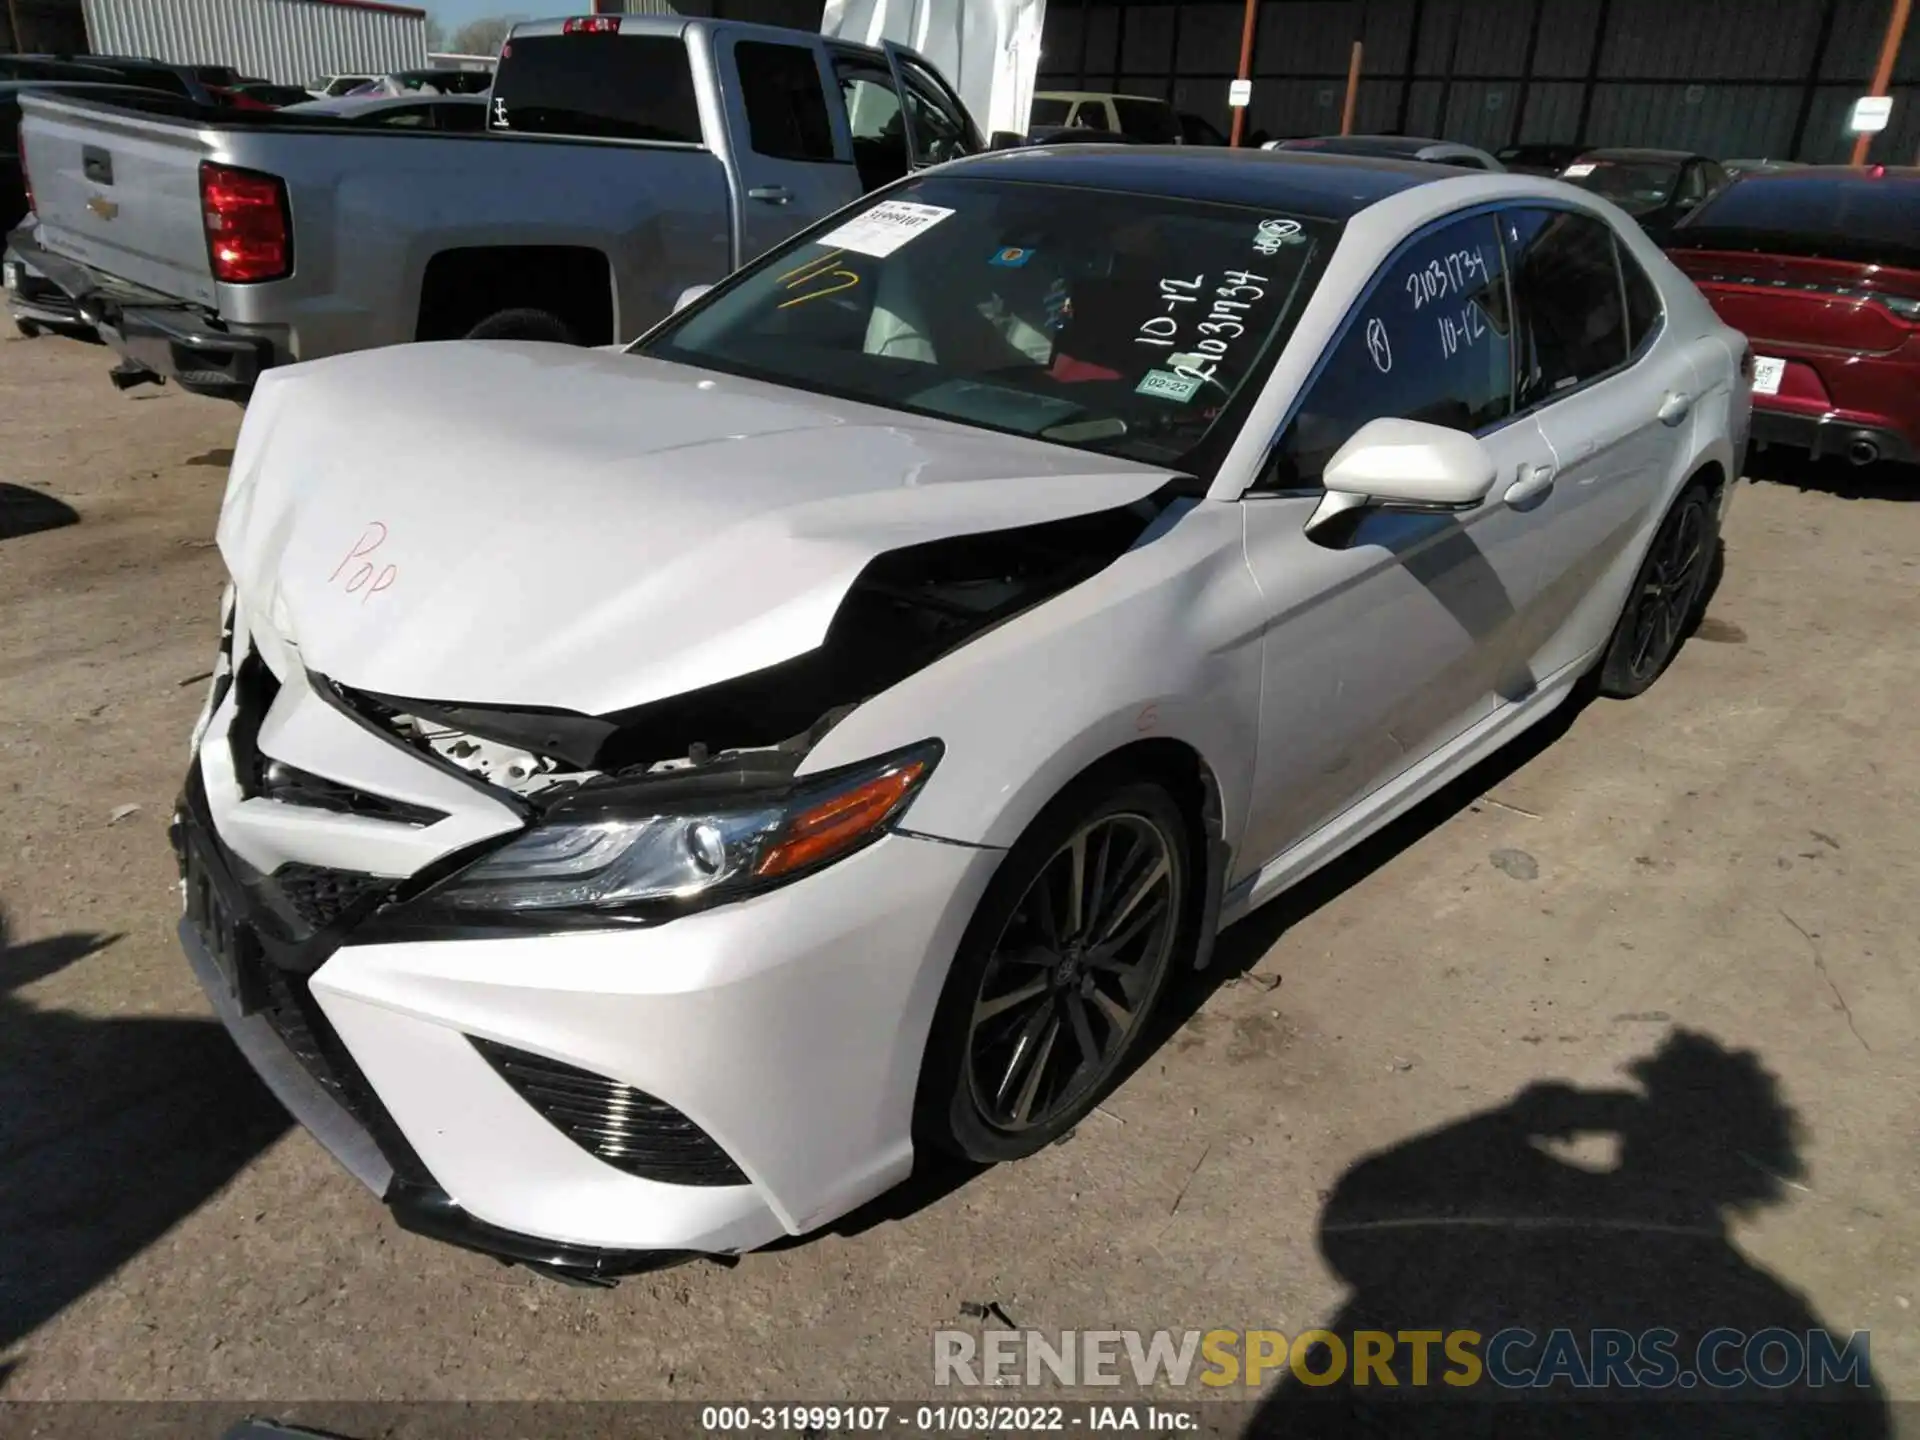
x=599, y=852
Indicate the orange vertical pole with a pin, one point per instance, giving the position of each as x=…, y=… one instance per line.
x=1883, y=72
x=1246, y=65
x=1353, y=91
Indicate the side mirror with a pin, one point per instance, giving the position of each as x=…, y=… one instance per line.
x=688, y=296
x=1404, y=465
x=1007, y=140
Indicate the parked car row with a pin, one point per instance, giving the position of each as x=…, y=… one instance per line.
x=606, y=192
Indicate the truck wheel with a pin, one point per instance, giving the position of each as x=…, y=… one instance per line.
x=523, y=324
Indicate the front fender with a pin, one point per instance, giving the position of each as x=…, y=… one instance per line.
x=1163, y=644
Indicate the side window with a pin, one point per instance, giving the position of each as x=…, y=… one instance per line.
x=786, y=108
x=1430, y=342
x=943, y=132
x=1567, y=298
x=1643, y=300
x=873, y=116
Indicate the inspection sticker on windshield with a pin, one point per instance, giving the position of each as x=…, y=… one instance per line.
x=1575, y=172
x=885, y=228
x=1165, y=385
x=1272, y=235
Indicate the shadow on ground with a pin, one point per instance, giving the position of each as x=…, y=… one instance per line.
x=1480, y=1225
x=111, y=1132
x=27, y=512
x=1832, y=476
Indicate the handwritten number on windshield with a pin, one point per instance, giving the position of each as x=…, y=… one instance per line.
x=822, y=269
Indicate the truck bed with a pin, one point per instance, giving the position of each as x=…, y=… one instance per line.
x=117, y=191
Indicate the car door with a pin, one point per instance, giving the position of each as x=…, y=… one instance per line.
x=790, y=168
x=1386, y=645
x=942, y=129
x=1612, y=394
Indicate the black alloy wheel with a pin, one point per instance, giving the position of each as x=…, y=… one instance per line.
x=1665, y=596
x=1058, y=975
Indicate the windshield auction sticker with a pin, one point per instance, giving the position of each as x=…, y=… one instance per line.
x=885, y=228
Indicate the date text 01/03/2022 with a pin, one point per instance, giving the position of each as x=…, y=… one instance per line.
x=960, y=1419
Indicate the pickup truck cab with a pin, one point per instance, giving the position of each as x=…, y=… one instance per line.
x=626, y=159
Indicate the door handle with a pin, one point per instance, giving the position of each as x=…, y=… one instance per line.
x=1674, y=408
x=1533, y=482
x=772, y=194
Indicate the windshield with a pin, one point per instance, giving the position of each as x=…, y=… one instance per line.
x=1126, y=324
x=1638, y=187
x=1824, y=217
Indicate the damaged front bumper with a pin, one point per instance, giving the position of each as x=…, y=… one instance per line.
x=780, y=1036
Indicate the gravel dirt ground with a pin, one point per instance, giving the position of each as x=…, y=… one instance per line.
x=1732, y=856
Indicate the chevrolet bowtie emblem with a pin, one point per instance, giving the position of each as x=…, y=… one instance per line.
x=103, y=207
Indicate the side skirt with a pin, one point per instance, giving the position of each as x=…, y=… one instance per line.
x=1398, y=796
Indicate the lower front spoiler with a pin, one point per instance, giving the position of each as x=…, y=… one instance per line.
x=422, y=1208
x=430, y=1211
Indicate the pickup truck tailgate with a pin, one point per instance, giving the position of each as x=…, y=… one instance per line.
x=120, y=191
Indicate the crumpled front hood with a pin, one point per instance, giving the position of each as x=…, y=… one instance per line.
x=532, y=525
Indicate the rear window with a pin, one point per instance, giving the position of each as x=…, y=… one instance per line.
x=1638, y=187
x=1825, y=217
x=612, y=87
x=1147, y=120
x=1049, y=112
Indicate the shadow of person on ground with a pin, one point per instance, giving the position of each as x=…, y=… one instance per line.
x=1489, y=1224
x=27, y=512
x=111, y=1132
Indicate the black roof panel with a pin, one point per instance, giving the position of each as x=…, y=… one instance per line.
x=1331, y=187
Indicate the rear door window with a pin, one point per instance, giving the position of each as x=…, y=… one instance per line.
x=1570, y=306
x=609, y=87
x=785, y=102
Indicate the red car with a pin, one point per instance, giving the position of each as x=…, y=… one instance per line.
x=1820, y=268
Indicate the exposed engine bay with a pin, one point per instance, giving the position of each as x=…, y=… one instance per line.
x=908, y=608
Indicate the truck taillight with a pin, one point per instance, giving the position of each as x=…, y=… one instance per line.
x=249, y=236
x=592, y=25
x=26, y=180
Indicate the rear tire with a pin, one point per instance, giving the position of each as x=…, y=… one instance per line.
x=1049, y=994
x=1665, y=599
x=524, y=324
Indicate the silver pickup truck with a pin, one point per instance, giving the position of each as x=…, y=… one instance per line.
x=626, y=159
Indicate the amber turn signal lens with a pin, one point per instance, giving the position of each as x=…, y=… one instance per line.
x=839, y=821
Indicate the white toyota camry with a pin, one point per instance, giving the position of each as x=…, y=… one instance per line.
x=681, y=782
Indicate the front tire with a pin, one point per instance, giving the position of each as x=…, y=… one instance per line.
x=1665, y=598
x=524, y=324
x=1058, y=972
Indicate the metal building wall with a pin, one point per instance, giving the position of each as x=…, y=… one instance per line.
x=289, y=41
x=1729, y=77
